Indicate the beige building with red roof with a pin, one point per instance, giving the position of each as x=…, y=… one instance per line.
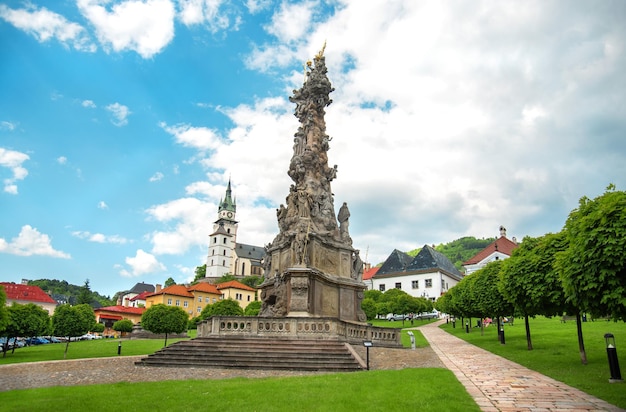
x=192, y=299
x=108, y=315
x=499, y=249
x=24, y=294
x=237, y=291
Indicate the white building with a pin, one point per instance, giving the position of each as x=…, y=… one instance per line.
x=429, y=274
x=499, y=249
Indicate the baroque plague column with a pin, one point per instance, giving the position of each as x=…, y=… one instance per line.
x=311, y=268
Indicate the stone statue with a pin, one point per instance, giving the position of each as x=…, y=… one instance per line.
x=342, y=217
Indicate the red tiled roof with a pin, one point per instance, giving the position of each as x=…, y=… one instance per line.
x=141, y=296
x=121, y=309
x=234, y=285
x=176, y=290
x=28, y=293
x=204, y=287
x=502, y=245
x=369, y=273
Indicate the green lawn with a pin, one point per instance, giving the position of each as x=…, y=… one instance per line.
x=407, y=389
x=555, y=352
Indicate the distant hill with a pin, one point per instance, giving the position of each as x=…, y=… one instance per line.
x=460, y=250
x=61, y=290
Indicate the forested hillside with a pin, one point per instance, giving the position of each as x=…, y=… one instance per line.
x=460, y=250
x=73, y=293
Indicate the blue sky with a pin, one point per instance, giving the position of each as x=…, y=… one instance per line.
x=122, y=121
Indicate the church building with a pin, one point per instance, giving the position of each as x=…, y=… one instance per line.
x=225, y=255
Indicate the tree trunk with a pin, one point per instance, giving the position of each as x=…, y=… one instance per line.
x=165, y=340
x=581, y=342
x=498, y=324
x=67, y=345
x=528, y=340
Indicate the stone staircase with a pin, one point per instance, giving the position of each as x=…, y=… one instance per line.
x=258, y=353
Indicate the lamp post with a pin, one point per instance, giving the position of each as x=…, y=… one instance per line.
x=611, y=351
x=368, y=344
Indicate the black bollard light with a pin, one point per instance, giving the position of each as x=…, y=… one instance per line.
x=119, y=348
x=453, y=323
x=466, y=327
x=502, y=334
x=368, y=344
x=611, y=352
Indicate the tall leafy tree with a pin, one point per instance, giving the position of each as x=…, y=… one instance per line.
x=26, y=320
x=4, y=315
x=123, y=326
x=164, y=319
x=84, y=295
x=593, y=267
x=253, y=308
x=224, y=307
x=72, y=321
x=169, y=282
x=489, y=300
x=529, y=281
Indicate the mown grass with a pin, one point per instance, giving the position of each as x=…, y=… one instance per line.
x=407, y=389
x=100, y=348
x=555, y=352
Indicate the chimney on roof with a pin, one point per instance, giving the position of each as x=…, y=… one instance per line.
x=502, y=231
x=158, y=288
x=514, y=239
x=368, y=266
x=24, y=281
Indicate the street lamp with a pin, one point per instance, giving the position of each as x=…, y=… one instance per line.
x=611, y=351
x=368, y=344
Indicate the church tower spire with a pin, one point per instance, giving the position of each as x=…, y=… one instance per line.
x=223, y=240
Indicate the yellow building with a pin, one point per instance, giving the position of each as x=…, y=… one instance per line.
x=242, y=294
x=204, y=294
x=175, y=295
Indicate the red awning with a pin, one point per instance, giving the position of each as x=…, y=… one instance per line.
x=114, y=317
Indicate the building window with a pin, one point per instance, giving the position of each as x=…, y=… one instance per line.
x=213, y=252
x=243, y=268
x=429, y=283
x=199, y=309
x=185, y=304
x=224, y=253
x=415, y=284
x=215, y=240
x=177, y=302
x=238, y=296
x=206, y=299
x=228, y=230
x=248, y=298
x=223, y=263
x=169, y=301
x=443, y=284
x=381, y=287
x=398, y=285
x=200, y=299
x=214, y=300
x=224, y=241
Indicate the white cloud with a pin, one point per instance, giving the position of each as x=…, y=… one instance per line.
x=141, y=264
x=255, y=6
x=89, y=104
x=13, y=160
x=62, y=160
x=102, y=205
x=292, y=21
x=10, y=126
x=200, y=138
x=209, y=12
x=120, y=114
x=191, y=217
x=143, y=26
x=100, y=238
x=45, y=25
x=30, y=242
x=156, y=177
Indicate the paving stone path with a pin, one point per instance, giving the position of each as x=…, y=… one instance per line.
x=497, y=384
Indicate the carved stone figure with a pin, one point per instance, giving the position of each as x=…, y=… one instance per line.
x=343, y=216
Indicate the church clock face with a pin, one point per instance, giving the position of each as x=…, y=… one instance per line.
x=229, y=214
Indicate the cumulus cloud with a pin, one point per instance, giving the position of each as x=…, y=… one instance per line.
x=142, y=263
x=145, y=27
x=120, y=114
x=212, y=13
x=13, y=160
x=30, y=242
x=200, y=138
x=100, y=238
x=45, y=25
x=156, y=177
x=102, y=205
x=89, y=104
x=190, y=217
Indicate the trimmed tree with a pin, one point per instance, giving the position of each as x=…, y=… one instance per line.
x=489, y=300
x=253, y=308
x=224, y=307
x=164, y=319
x=26, y=320
x=4, y=314
x=71, y=321
x=123, y=326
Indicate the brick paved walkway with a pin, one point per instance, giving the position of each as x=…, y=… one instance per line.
x=497, y=384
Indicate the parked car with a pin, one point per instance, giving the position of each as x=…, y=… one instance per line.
x=37, y=340
x=428, y=315
x=393, y=317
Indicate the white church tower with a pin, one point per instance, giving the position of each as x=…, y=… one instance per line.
x=223, y=239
